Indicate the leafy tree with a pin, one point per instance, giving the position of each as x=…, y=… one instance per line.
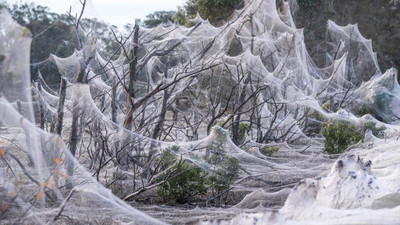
x=339, y=135
x=213, y=10
x=224, y=169
x=269, y=150
x=159, y=17
x=51, y=32
x=186, y=181
x=376, y=131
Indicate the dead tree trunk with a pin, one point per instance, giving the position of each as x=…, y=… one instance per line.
x=196, y=113
x=42, y=121
x=41, y=108
x=74, y=135
x=123, y=156
x=247, y=81
x=114, y=118
x=132, y=78
x=114, y=106
x=60, y=107
x=161, y=118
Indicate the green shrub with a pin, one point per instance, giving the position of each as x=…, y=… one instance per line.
x=189, y=181
x=186, y=182
x=224, y=169
x=383, y=102
x=269, y=150
x=376, y=131
x=224, y=172
x=364, y=109
x=327, y=106
x=244, y=128
x=339, y=135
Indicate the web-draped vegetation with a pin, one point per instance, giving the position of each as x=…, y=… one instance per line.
x=212, y=116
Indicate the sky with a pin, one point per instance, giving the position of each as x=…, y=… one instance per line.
x=115, y=12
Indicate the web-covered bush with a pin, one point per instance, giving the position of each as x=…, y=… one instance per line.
x=183, y=180
x=339, y=135
x=224, y=173
x=376, y=131
x=224, y=168
x=269, y=150
x=240, y=136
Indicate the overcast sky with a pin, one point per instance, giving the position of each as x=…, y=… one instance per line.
x=116, y=12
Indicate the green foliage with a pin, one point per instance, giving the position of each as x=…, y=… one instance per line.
x=269, y=150
x=387, y=82
x=180, y=16
x=376, y=131
x=186, y=182
x=364, y=109
x=383, y=101
x=326, y=106
x=213, y=10
x=224, y=169
x=53, y=33
x=243, y=129
x=371, y=16
x=339, y=135
x=159, y=17
x=224, y=172
x=316, y=116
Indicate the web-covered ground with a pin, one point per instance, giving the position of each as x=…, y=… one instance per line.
x=274, y=82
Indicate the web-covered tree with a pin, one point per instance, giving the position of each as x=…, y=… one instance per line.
x=159, y=17
x=53, y=34
x=378, y=20
x=213, y=10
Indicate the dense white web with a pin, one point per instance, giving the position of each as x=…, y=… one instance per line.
x=255, y=67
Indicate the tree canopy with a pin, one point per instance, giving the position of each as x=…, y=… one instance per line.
x=54, y=34
x=213, y=10
x=159, y=17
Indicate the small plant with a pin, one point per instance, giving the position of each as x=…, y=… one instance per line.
x=224, y=172
x=376, y=131
x=364, y=109
x=383, y=102
x=224, y=169
x=244, y=128
x=184, y=180
x=269, y=150
x=339, y=135
x=326, y=106
x=387, y=82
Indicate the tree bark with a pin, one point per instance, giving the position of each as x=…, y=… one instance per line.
x=41, y=108
x=60, y=107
